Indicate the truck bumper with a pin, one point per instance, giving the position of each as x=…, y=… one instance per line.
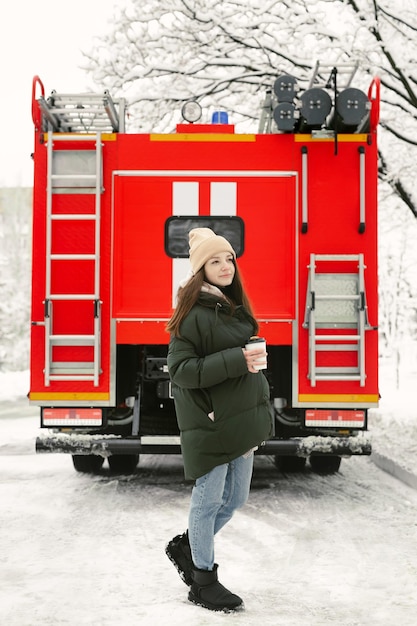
x=106, y=446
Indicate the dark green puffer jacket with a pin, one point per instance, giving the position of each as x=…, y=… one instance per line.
x=209, y=374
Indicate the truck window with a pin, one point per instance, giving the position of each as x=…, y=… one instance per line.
x=177, y=229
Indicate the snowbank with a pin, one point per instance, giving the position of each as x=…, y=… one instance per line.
x=14, y=385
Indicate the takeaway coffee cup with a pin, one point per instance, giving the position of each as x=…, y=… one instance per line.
x=255, y=343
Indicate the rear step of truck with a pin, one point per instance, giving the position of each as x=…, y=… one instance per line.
x=106, y=446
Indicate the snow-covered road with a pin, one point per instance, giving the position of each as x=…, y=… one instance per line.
x=306, y=550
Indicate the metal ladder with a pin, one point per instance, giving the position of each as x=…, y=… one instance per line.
x=83, y=113
x=90, y=183
x=344, y=71
x=336, y=302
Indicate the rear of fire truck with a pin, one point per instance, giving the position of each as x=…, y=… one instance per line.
x=111, y=216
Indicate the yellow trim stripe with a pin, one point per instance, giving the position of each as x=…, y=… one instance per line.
x=194, y=137
x=104, y=136
x=109, y=136
x=340, y=138
x=354, y=398
x=39, y=396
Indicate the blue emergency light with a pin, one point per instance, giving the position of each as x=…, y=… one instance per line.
x=220, y=117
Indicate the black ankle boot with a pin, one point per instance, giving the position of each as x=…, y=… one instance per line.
x=179, y=552
x=208, y=592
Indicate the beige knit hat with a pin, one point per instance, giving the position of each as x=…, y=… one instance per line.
x=204, y=244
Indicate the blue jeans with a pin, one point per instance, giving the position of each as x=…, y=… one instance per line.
x=214, y=499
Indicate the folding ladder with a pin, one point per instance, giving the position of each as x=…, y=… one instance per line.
x=83, y=113
x=336, y=317
x=324, y=74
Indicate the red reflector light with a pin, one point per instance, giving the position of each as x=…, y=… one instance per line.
x=72, y=417
x=335, y=419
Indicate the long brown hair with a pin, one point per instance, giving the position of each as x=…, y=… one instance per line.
x=189, y=294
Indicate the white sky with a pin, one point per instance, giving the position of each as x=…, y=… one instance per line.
x=44, y=38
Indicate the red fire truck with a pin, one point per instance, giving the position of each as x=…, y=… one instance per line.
x=111, y=216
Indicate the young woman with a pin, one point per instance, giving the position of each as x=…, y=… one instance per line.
x=222, y=405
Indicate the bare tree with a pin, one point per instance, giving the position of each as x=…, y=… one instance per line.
x=396, y=314
x=397, y=284
x=161, y=53
x=389, y=47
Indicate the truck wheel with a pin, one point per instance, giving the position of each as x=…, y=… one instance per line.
x=287, y=464
x=123, y=463
x=325, y=464
x=87, y=463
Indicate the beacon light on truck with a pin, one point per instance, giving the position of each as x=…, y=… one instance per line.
x=191, y=111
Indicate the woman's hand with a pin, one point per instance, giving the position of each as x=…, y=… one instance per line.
x=253, y=357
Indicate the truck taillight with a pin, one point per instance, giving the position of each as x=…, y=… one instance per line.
x=72, y=417
x=329, y=418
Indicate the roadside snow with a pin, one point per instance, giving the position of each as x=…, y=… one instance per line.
x=14, y=385
x=393, y=426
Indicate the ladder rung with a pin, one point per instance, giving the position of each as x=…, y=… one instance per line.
x=337, y=347
x=58, y=370
x=336, y=377
x=78, y=98
x=72, y=340
x=336, y=296
x=336, y=337
x=336, y=257
x=333, y=371
x=73, y=257
x=74, y=176
x=81, y=366
x=72, y=296
x=71, y=377
x=73, y=216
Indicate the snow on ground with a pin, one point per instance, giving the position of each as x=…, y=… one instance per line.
x=393, y=426
x=78, y=550
x=305, y=551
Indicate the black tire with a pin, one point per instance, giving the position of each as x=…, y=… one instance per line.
x=87, y=463
x=290, y=464
x=325, y=464
x=123, y=463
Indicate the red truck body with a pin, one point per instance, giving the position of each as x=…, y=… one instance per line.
x=111, y=215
